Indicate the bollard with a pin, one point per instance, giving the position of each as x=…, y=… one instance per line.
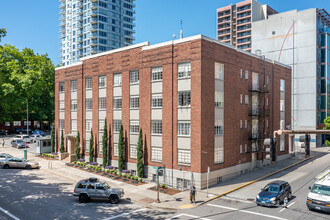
x=25, y=154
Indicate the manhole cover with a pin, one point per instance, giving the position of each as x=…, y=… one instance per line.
x=249, y=199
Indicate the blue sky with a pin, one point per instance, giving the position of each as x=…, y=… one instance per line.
x=34, y=23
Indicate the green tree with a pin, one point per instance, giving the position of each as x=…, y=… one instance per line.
x=78, y=147
x=52, y=139
x=327, y=127
x=26, y=77
x=91, y=148
x=140, y=166
x=62, y=143
x=121, y=161
x=3, y=33
x=105, y=143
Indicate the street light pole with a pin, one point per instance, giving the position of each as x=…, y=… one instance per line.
x=27, y=118
x=207, y=182
x=158, y=201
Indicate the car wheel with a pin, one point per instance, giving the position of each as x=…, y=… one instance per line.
x=83, y=198
x=28, y=167
x=6, y=166
x=114, y=199
x=290, y=196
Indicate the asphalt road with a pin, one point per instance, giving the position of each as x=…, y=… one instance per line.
x=241, y=204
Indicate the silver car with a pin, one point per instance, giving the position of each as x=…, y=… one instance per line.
x=15, y=162
x=93, y=188
x=18, y=143
x=4, y=156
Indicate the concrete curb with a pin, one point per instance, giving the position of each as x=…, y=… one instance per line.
x=256, y=180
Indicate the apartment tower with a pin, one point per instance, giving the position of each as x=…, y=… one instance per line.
x=88, y=27
x=234, y=22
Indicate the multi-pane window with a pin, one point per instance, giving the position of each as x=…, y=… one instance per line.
x=17, y=123
x=88, y=124
x=218, y=155
x=102, y=103
x=116, y=125
x=184, y=128
x=282, y=144
x=282, y=105
x=25, y=123
x=102, y=81
x=246, y=74
x=100, y=142
x=133, y=151
x=73, y=124
x=87, y=145
x=134, y=76
x=156, y=73
x=218, y=99
x=134, y=127
x=117, y=102
x=184, y=99
x=88, y=83
x=156, y=127
x=73, y=85
x=219, y=71
x=241, y=98
x=62, y=105
x=117, y=79
x=184, y=157
x=156, y=100
x=218, y=127
x=115, y=150
x=101, y=124
x=282, y=125
x=282, y=87
x=184, y=70
x=246, y=99
x=134, y=102
x=73, y=105
x=61, y=87
x=241, y=74
x=156, y=154
x=61, y=124
x=89, y=104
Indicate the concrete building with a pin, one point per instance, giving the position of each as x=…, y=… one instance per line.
x=300, y=39
x=92, y=26
x=200, y=103
x=234, y=22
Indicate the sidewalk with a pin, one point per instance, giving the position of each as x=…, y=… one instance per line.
x=141, y=194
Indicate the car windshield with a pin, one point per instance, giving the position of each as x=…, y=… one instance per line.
x=19, y=141
x=106, y=186
x=321, y=189
x=271, y=189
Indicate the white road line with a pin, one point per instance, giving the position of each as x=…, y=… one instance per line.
x=9, y=214
x=245, y=211
x=287, y=207
x=190, y=216
x=117, y=216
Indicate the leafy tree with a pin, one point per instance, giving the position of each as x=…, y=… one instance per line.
x=140, y=166
x=26, y=77
x=91, y=148
x=78, y=147
x=52, y=139
x=121, y=162
x=62, y=143
x=3, y=33
x=327, y=127
x=105, y=143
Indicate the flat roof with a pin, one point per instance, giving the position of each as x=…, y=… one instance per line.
x=146, y=46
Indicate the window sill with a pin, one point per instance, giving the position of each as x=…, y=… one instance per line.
x=102, y=87
x=219, y=107
x=158, y=80
x=73, y=110
x=133, y=158
x=219, y=163
x=89, y=110
x=73, y=90
x=103, y=109
x=134, y=83
x=156, y=134
x=218, y=135
x=185, y=77
x=156, y=161
x=184, y=164
x=116, y=86
x=183, y=107
x=88, y=89
x=184, y=136
x=117, y=109
x=157, y=107
x=134, y=133
x=134, y=108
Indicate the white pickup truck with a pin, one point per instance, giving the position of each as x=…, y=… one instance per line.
x=319, y=196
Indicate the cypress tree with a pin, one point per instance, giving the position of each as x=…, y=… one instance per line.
x=52, y=139
x=62, y=143
x=121, y=162
x=91, y=148
x=78, y=147
x=140, y=166
x=105, y=143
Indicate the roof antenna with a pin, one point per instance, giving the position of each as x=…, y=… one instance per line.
x=181, y=33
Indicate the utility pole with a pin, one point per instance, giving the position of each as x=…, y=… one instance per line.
x=158, y=201
x=27, y=118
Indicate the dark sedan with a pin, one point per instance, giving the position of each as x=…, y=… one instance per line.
x=274, y=193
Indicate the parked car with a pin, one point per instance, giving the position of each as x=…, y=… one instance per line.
x=25, y=138
x=3, y=133
x=93, y=188
x=18, y=143
x=3, y=157
x=39, y=132
x=35, y=137
x=274, y=193
x=319, y=196
x=15, y=162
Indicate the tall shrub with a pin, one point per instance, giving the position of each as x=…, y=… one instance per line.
x=52, y=139
x=140, y=166
x=62, y=143
x=121, y=162
x=91, y=148
x=105, y=143
x=78, y=147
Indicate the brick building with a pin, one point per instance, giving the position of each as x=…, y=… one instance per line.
x=200, y=103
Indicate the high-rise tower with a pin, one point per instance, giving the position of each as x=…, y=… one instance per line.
x=88, y=27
